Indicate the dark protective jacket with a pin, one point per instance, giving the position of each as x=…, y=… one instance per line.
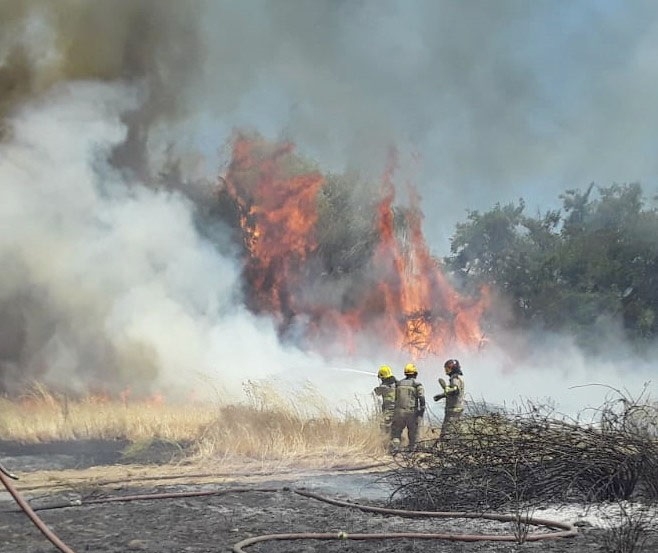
x=409, y=395
x=454, y=393
x=387, y=392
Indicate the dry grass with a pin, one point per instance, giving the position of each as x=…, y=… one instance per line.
x=42, y=416
x=299, y=425
x=269, y=427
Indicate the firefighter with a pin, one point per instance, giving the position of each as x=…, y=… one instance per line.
x=453, y=393
x=409, y=408
x=386, y=390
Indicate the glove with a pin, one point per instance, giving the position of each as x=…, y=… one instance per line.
x=438, y=397
x=442, y=383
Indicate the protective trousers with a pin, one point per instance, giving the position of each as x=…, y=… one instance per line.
x=401, y=420
x=450, y=419
x=386, y=422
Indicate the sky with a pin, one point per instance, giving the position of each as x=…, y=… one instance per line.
x=485, y=101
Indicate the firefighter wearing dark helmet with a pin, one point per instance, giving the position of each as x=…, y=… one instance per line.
x=409, y=408
x=453, y=393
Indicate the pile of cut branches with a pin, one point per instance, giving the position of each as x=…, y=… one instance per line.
x=532, y=457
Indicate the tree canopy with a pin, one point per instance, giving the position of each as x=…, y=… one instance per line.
x=593, y=262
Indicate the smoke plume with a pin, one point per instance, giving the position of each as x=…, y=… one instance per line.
x=108, y=279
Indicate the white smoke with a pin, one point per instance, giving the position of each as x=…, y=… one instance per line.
x=120, y=288
x=558, y=374
x=119, y=268
x=107, y=274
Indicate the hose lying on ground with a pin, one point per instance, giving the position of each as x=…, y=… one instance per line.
x=5, y=477
x=566, y=529
x=4, y=471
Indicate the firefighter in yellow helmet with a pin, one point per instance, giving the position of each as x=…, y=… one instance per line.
x=453, y=393
x=409, y=408
x=386, y=390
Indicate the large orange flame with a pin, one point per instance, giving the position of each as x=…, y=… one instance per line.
x=407, y=299
x=277, y=216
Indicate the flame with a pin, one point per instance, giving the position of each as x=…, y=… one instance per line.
x=404, y=296
x=277, y=216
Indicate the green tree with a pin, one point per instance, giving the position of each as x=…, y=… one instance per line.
x=510, y=251
x=608, y=257
x=573, y=270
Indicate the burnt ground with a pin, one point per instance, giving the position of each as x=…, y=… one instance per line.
x=70, y=489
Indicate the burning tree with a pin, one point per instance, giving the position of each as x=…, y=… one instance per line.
x=330, y=264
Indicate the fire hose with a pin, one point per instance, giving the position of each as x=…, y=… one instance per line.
x=565, y=529
x=6, y=478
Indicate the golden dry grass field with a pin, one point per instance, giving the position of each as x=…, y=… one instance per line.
x=267, y=429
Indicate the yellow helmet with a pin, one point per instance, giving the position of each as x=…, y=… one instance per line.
x=410, y=368
x=384, y=372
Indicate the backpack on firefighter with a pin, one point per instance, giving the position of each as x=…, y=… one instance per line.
x=409, y=408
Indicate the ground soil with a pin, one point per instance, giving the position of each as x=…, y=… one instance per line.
x=241, y=501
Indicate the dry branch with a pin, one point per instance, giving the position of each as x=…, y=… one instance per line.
x=532, y=457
